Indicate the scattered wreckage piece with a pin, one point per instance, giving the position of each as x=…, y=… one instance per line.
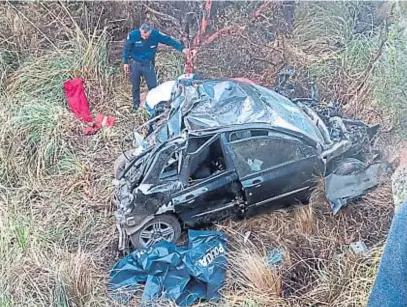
x=359, y=248
x=181, y=274
x=275, y=257
x=227, y=148
x=352, y=180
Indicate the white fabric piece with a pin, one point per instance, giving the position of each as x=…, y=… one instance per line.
x=160, y=93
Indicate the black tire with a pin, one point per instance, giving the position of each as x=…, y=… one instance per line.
x=138, y=241
x=120, y=164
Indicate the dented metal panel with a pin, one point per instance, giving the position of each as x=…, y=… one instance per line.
x=219, y=103
x=342, y=189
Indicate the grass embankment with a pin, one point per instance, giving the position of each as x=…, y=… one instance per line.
x=54, y=190
x=57, y=233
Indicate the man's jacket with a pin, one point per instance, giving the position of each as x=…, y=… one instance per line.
x=142, y=50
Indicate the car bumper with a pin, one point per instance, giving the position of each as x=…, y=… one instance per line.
x=128, y=225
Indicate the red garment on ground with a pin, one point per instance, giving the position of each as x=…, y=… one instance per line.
x=77, y=100
x=100, y=121
x=79, y=105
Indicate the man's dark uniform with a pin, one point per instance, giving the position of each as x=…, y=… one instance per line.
x=140, y=54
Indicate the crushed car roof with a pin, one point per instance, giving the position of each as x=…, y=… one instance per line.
x=206, y=104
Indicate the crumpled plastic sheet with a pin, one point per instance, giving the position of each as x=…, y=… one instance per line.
x=181, y=274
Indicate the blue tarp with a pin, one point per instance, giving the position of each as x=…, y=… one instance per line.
x=181, y=274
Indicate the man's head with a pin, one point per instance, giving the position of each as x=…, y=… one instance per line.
x=145, y=30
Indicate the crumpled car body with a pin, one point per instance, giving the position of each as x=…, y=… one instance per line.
x=230, y=149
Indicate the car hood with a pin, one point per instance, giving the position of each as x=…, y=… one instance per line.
x=205, y=104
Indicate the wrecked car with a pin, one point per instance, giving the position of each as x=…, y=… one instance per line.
x=231, y=149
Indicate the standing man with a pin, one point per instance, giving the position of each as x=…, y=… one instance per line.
x=139, y=57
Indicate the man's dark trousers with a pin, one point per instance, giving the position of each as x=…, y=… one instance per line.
x=137, y=70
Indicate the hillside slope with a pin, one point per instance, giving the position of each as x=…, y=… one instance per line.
x=57, y=232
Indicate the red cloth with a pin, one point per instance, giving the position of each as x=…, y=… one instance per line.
x=77, y=101
x=79, y=105
x=104, y=121
x=100, y=121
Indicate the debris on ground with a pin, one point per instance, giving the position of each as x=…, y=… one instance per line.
x=100, y=121
x=77, y=100
x=274, y=257
x=246, y=236
x=342, y=188
x=181, y=274
x=359, y=248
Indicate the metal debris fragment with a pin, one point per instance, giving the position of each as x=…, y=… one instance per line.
x=359, y=248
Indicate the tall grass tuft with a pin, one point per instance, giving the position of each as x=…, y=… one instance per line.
x=322, y=26
x=40, y=118
x=361, y=65
x=390, y=77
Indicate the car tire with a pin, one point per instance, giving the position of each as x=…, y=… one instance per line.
x=349, y=166
x=166, y=222
x=120, y=164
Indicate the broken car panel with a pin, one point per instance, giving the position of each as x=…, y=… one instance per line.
x=229, y=149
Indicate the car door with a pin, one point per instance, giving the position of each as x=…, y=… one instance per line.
x=211, y=196
x=274, y=169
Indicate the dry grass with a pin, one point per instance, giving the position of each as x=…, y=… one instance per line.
x=319, y=267
x=57, y=233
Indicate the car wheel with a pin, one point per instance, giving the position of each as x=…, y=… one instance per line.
x=349, y=166
x=162, y=227
x=120, y=164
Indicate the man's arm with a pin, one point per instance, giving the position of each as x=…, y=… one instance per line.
x=169, y=41
x=128, y=44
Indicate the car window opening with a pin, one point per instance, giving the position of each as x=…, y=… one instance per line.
x=195, y=143
x=155, y=170
x=171, y=167
x=208, y=162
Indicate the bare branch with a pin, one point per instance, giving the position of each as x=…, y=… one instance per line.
x=162, y=15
